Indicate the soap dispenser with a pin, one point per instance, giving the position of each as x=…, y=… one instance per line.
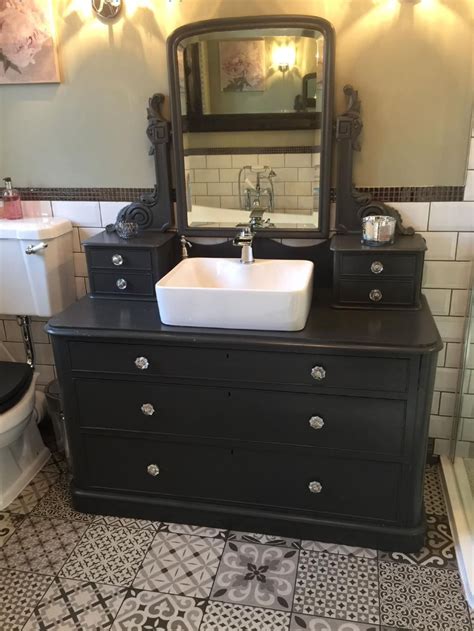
x=11, y=201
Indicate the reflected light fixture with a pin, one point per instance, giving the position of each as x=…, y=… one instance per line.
x=284, y=57
x=107, y=9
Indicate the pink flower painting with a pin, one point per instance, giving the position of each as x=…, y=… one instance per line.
x=242, y=65
x=27, y=47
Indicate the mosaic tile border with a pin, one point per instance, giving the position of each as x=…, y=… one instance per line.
x=388, y=194
x=234, y=151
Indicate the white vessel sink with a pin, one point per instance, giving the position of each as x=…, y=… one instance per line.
x=272, y=295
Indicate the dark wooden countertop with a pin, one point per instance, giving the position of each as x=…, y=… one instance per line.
x=411, y=332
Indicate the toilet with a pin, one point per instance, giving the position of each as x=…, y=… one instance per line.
x=36, y=279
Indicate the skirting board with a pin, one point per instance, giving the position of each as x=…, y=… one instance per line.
x=462, y=533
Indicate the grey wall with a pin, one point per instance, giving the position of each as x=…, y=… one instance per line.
x=411, y=63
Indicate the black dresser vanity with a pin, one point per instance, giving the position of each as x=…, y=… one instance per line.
x=319, y=433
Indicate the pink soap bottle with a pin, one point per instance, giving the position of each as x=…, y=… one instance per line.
x=11, y=201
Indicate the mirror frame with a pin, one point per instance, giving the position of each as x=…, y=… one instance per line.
x=247, y=23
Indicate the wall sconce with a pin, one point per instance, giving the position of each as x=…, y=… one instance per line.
x=284, y=57
x=107, y=9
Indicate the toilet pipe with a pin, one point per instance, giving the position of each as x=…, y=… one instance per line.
x=24, y=323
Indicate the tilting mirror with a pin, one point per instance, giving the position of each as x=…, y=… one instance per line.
x=251, y=105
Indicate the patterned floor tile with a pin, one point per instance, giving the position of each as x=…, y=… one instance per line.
x=337, y=586
x=8, y=523
x=336, y=548
x=186, y=529
x=220, y=615
x=108, y=555
x=57, y=503
x=271, y=540
x=256, y=575
x=125, y=522
x=19, y=593
x=433, y=492
x=299, y=621
x=149, y=610
x=32, y=494
x=422, y=598
x=180, y=564
x=41, y=545
x=438, y=550
x=77, y=606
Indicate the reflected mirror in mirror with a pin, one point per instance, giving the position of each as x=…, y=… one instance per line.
x=253, y=114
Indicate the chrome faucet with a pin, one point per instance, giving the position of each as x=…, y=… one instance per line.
x=244, y=239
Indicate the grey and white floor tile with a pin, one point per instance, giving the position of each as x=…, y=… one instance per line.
x=19, y=593
x=257, y=575
x=180, y=564
x=71, y=605
x=337, y=586
x=57, y=503
x=231, y=617
x=34, y=492
x=41, y=545
x=151, y=610
x=301, y=622
x=271, y=540
x=8, y=523
x=108, y=555
x=422, y=598
x=438, y=550
x=187, y=529
x=433, y=492
x=126, y=522
x=336, y=548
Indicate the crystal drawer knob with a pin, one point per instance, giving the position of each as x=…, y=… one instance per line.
x=142, y=363
x=153, y=470
x=318, y=373
x=121, y=283
x=316, y=422
x=147, y=409
x=117, y=259
x=375, y=295
x=315, y=487
x=376, y=267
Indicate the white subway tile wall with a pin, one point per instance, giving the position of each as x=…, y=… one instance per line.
x=213, y=179
x=447, y=226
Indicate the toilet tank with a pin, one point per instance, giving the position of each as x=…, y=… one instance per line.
x=41, y=283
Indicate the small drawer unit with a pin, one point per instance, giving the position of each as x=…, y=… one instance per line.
x=385, y=277
x=129, y=269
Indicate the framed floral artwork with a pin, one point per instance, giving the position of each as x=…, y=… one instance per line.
x=27, y=42
x=242, y=65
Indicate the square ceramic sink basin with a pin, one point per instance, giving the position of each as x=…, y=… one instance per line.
x=266, y=295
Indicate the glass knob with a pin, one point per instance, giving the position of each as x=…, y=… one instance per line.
x=117, y=259
x=121, y=283
x=316, y=422
x=142, y=363
x=318, y=373
x=315, y=487
x=153, y=470
x=147, y=409
x=376, y=267
x=375, y=295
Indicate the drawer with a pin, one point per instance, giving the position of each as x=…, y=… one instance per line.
x=378, y=265
x=136, y=283
x=260, y=477
x=118, y=259
x=343, y=423
x=309, y=370
x=377, y=293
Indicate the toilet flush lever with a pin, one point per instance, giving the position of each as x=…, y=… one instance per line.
x=33, y=249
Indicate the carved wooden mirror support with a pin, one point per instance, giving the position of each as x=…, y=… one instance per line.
x=154, y=211
x=352, y=205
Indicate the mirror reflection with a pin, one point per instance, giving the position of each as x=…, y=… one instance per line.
x=251, y=110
